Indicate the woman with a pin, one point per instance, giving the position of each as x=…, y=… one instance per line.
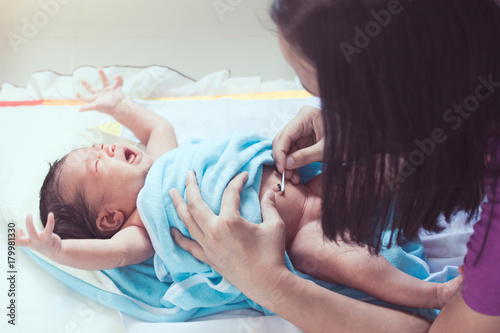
x=408, y=131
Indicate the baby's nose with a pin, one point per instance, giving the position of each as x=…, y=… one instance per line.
x=110, y=150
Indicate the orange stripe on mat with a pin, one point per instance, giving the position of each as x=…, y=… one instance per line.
x=50, y=102
x=60, y=102
x=20, y=103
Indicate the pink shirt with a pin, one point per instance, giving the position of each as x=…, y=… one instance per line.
x=481, y=288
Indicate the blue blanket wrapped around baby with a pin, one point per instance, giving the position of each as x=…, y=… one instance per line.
x=194, y=284
x=190, y=287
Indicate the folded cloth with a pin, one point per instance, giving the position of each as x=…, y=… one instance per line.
x=193, y=286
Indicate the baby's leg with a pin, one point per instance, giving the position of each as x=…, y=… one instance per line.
x=353, y=266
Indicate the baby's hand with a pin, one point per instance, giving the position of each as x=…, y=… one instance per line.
x=105, y=100
x=46, y=242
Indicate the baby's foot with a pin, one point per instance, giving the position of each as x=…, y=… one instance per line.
x=446, y=290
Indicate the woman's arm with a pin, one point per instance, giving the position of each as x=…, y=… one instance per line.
x=224, y=241
x=457, y=316
x=129, y=246
x=154, y=131
x=316, y=309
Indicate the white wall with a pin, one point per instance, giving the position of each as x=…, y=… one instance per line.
x=195, y=37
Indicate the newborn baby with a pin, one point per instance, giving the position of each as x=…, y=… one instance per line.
x=89, y=199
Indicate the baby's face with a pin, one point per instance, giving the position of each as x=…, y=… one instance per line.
x=111, y=175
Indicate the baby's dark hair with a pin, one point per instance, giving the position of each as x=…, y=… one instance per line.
x=74, y=217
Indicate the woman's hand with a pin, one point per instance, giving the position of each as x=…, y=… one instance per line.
x=45, y=242
x=104, y=100
x=250, y=256
x=299, y=143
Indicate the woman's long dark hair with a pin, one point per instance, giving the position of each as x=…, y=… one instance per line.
x=410, y=95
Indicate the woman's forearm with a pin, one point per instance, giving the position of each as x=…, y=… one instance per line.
x=315, y=309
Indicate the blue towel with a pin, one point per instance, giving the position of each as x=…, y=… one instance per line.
x=194, y=284
x=192, y=288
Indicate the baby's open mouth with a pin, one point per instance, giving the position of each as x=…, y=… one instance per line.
x=129, y=155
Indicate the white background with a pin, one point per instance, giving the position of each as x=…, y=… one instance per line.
x=195, y=37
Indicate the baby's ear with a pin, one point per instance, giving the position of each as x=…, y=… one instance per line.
x=109, y=220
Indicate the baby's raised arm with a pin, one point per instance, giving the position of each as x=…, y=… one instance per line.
x=154, y=131
x=129, y=246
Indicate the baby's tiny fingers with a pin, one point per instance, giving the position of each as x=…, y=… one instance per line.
x=49, y=228
x=29, y=224
x=22, y=239
x=104, y=78
x=88, y=87
x=32, y=232
x=20, y=233
x=82, y=99
x=119, y=81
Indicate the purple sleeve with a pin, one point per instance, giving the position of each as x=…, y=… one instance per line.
x=481, y=287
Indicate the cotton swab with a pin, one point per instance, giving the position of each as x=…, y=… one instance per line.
x=283, y=182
